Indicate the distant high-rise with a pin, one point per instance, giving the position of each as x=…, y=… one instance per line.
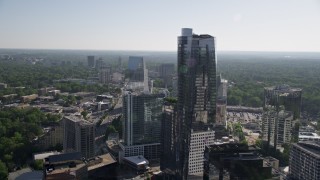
x=91, y=61
x=286, y=96
x=105, y=75
x=196, y=89
x=166, y=69
x=221, y=114
x=135, y=62
x=137, y=69
x=79, y=136
x=99, y=64
x=166, y=72
x=282, y=105
x=119, y=62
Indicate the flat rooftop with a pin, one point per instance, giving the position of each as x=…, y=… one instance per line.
x=138, y=160
x=45, y=155
x=106, y=160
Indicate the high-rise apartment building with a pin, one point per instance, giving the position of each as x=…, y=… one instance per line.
x=304, y=161
x=142, y=124
x=79, y=136
x=277, y=126
x=99, y=64
x=282, y=106
x=91, y=61
x=286, y=96
x=105, y=75
x=142, y=118
x=196, y=90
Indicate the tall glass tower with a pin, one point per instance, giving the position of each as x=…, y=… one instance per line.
x=196, y=89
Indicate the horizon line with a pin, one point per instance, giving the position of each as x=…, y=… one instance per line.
x=172, y=51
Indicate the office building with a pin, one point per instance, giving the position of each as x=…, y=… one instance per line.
x=119, y=62
x=199, y=139
x=99, y=64
x=221, y=114
x=222, y=85
x=196, y=89
x=304, y=161
x=135, y=62
x=91, y=61
x=234, y=161
x=137, y=69
x=65, y=166
x=166, y=70
x=169, y=135
x=79, y=136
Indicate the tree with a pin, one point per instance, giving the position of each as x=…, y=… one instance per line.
x=3, y=171
x=110, y=129
x=84, y=114
x=37, y=164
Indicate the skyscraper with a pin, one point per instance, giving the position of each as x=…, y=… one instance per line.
x=196, y=89
x=138, y=72
x=142, y=118
x=142, y=124
x=135, y=62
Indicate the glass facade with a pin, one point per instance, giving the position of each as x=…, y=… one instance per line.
x=142, y=118
x=196, y=89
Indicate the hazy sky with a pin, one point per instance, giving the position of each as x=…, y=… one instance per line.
x=250, y=25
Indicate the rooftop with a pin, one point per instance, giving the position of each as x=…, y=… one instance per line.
x=311, y=147
x=309, y=135
x=138, y=160
x=106, y=160
x=64, y=157
x=45, y=155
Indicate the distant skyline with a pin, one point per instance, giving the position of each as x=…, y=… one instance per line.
x=238, y=25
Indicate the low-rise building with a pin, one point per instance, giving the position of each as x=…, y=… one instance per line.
x=308, y=136
x=65, y=166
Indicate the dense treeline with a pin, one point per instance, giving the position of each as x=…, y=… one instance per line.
x=33, y=77
x=18, y=127
x=251, y=75
x=38, y=75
